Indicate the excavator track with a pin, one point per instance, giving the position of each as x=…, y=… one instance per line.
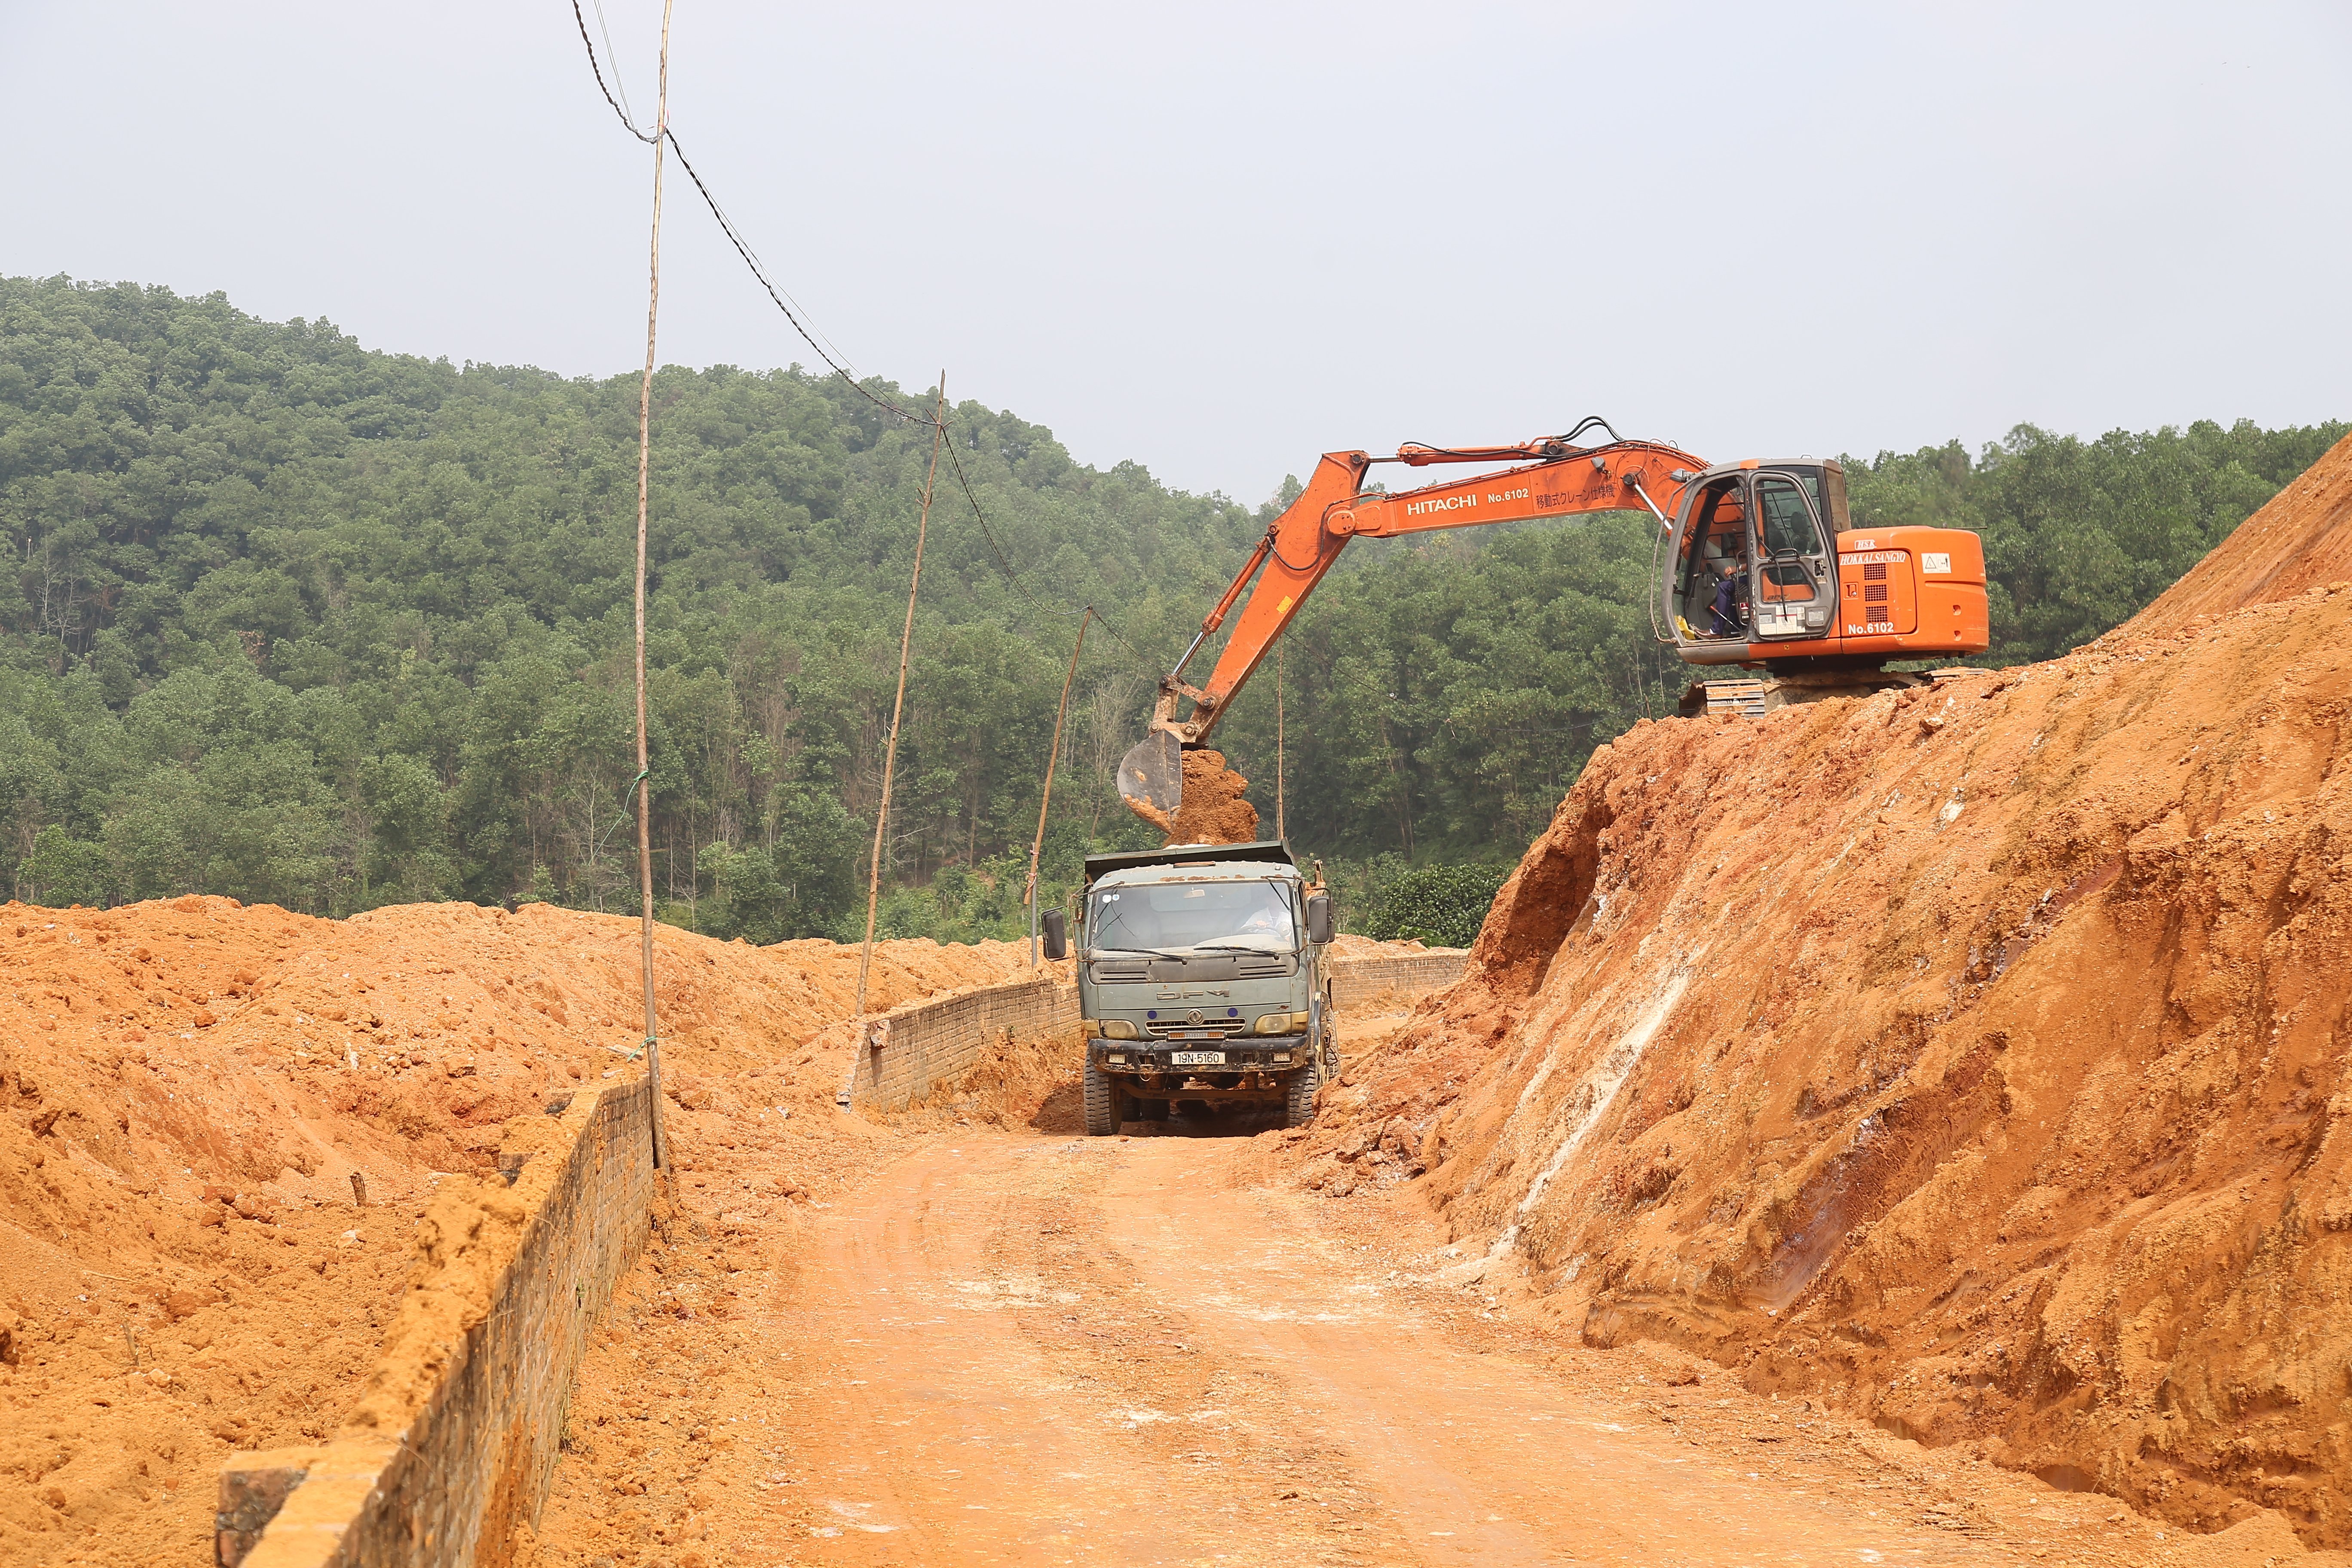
x=1754, y=697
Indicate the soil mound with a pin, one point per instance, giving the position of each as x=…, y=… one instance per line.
x=187, y=1090
x=1973, y=1056
x=2302, y=540
x=1213, y=811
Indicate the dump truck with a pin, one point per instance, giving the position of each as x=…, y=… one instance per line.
x=1203, y=983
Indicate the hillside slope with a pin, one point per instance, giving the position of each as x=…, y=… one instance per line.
x=2302, y=540
x=1975, y=1056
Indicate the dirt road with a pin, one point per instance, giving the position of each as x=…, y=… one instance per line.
x=1011, y=1347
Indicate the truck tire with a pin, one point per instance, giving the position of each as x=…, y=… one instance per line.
x=1103, y=1102
x=1299, y=1095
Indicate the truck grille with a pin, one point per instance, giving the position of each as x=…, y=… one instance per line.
x=1207, y=969
x=1211, y=1029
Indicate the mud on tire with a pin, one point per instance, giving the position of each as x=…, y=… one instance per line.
x=1105, y=1102
x=1299, y=1094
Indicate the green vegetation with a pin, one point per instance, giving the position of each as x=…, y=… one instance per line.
x=2079, y=534
x=305, y=624
x=1443, y=906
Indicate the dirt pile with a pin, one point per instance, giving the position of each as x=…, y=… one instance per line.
x=1214, y=810
x=188, y=1089
x=1974, y=1056
x=2302, y=540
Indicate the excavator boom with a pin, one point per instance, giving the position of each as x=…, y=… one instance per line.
x=1306, y=540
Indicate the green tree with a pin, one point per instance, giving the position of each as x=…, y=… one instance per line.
x=296, y=621
x=58, y=871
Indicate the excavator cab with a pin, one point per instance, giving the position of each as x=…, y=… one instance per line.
x=1755, y=562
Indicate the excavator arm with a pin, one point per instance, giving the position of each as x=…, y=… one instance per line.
x=1563, y=480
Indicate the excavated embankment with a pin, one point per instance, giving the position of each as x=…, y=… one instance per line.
x=1975, y=1056
x=187, y=1089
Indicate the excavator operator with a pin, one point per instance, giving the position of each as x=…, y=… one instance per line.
x=1728, y=616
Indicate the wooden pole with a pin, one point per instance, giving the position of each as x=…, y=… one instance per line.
x=898, y=703
x=645, y=463
x=1029, y=895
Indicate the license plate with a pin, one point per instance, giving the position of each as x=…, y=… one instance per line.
x=1197, y=1059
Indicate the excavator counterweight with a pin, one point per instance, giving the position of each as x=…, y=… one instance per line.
x=1762, y=569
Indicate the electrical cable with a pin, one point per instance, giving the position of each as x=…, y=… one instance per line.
x=626, y=123
x=963, y=482
x=752, y=262
x=832, y=362
x=605, y=28
x=734, y=237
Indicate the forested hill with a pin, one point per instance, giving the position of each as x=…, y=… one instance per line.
x=303, y=623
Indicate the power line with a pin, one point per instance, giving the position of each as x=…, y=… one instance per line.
x=752, y=262
x=619, y=86
x=834, y=364
x=734, y=237
x=1012, y=577
x=626, y=123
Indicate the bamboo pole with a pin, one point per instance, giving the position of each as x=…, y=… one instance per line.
x=898, y=703
x=644, y=463
x=1029, y=894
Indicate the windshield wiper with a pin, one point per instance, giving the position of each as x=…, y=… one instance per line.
x=1252, y=946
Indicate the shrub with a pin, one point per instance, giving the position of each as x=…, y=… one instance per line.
x=1440, y=905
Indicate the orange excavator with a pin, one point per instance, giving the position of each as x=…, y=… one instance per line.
x=1759, y=565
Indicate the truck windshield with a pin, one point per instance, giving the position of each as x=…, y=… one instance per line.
x=1241, y=916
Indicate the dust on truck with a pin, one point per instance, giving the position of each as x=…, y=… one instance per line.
x=1202, y=983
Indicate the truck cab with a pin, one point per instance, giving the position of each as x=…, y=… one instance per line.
x=1201, y=982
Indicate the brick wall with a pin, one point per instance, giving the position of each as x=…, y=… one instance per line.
x=1356, y=981
x=905, y=1053
x=456, y=1439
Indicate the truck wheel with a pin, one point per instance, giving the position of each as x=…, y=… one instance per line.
x=1299, y=1095
x=1103, y=1107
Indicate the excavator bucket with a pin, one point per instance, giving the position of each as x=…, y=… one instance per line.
x=1152, y=773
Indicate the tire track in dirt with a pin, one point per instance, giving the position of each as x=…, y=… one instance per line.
x=1004, y=1347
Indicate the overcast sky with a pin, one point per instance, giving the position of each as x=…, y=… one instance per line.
x=1219, y=239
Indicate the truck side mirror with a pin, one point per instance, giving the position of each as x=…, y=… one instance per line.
x=1318, y=919
x=1057, y=933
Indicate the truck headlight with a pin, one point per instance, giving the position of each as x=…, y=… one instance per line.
x=1119, y=1029
x=1276, y=1024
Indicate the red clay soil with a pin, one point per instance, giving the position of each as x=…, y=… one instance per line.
x=187, y=1089
x=1213, y=811
x=2300, y=541
x=1974, y=1058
